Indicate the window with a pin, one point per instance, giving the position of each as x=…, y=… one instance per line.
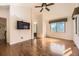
x=58, y=27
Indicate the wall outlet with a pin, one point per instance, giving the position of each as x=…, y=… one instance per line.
x=21, y=37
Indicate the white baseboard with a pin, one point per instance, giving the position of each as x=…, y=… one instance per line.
x=12, y=43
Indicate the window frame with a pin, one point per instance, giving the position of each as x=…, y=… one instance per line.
x=56, y=28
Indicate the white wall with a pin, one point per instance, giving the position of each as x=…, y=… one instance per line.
x=23, y=12
x=19, y=12
x=61, y=11
x=4, y=11
x=39, y=26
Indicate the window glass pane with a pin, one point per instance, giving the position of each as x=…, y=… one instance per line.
x=60, y=27
x=57, y=27
x=53, y=27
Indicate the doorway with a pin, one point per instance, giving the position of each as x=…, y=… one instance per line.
x=3, y=29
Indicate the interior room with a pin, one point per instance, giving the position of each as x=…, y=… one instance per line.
x=39, y=29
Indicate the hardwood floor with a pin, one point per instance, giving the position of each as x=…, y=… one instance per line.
x=39, y=47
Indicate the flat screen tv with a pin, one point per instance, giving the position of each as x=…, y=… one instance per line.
x=23, y=25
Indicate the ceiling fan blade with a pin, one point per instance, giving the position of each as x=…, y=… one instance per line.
x=38, y=6
x=47, y=9
x=42, y=4
x=41, y=10
x=50, y=4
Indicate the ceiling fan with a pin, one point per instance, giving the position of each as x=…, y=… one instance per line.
x=44, y=6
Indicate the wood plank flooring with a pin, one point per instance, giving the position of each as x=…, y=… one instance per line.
x=38, y=47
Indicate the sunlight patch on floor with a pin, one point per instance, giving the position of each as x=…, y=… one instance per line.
x=68, y=52
x=57, y=48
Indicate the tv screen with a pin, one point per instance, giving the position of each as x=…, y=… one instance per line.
x=23, y=25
